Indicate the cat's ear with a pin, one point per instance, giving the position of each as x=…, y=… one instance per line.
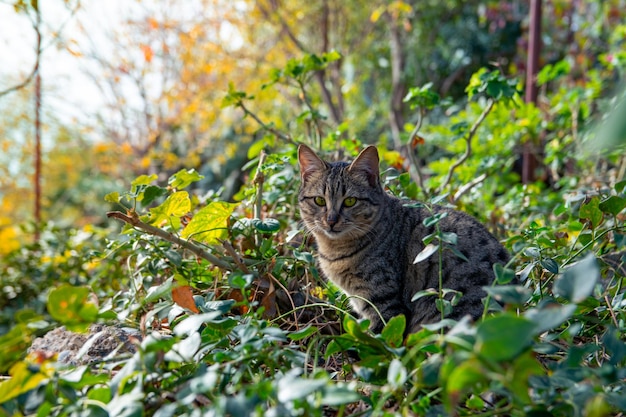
x=367, y=161
x=309, y=162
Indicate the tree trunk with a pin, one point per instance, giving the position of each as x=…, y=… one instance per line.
x=396, y=118
x=529, y=158
x=37, y=178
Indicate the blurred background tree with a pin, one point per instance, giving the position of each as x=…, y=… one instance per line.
x=163, y=71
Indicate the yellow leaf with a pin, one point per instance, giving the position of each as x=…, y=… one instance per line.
x=210, y=223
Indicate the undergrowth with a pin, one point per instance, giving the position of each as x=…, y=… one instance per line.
x=236, y=320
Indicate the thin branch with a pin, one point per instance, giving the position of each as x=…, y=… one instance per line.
x=24, y=83
x=195, y=249
x=276, y=132
x=464, y=189
x=39, y=50
x=259, y=179
x=409, y=149
x=319, y=75
x=468, y=145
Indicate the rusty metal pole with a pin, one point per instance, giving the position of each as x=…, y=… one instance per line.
x=37, y=175
x=532, y=68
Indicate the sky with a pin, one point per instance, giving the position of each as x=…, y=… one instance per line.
x=67, y=88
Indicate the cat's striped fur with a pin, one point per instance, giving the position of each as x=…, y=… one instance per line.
x=367, y=241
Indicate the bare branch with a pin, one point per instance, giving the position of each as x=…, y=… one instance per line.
x=419, y=178
x=468, y=145
x=464, y=189
x=170, y=237
x=319, y=75
x=274, y=131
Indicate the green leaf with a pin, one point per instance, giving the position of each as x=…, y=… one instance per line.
x=550, y=316
x=422, y=97
x=393, y=332
x=303, y=333
x=503, y=275
x=267, y=225
x=613, y=205
x=397, y=374
x=292, y=388
x=550, y=265
x=433, y=220
x=424, y=293
x=523, y=274
x=113, y=197
x=338, y=394
x=591, y=211
x=184, y=350
x=175, y=206
x=151, y=193
x=70, y=306
x=509, y=294
x=553, y=71
x=426, y=253
x=143, y=180
x=465, y=377
x=183, y=178
x=523, y=368
x=578, y=281
x=210, y=223
x=191, y=324
x=504, y=337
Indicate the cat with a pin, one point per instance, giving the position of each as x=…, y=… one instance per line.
x=368, y=240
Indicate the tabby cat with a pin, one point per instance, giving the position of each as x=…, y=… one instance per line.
x=368, y=240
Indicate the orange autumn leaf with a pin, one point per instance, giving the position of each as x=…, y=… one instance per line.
x=183, y=296
x=148, y=53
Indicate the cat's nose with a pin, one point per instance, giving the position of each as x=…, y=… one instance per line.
x=332, y=220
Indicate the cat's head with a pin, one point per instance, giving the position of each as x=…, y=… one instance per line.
x=339, y=199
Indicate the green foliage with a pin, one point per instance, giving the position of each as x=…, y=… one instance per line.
x=235, y=319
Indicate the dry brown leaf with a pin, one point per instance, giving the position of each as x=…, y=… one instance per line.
x=183, y=296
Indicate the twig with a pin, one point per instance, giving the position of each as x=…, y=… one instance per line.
x=409, y=149
x=236, y=258
x=468, y=145
x=473, y=183
x=276, y=132
x=195, y=249
x=259, y=179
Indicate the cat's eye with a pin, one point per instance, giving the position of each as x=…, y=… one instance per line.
x=320, y=201
x=349, y=202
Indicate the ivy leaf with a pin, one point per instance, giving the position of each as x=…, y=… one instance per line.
x=142, y=180
x=393, y=332
x=303, y=333
x=266, y=226
x=591, y=211
x=464, y=377
x=71, y=306
x=210, y=223
x=151, y=193
x=550, y=316
x=183, y=178
x=550, y=265
x=494, y=336
x=509, y=294
x=113, y=197
x=503, y=275
x=613, y=205
x=175, y=206
x=578, y=281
